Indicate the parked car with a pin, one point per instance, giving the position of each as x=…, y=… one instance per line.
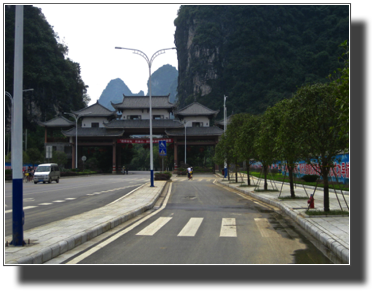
x=46, y=173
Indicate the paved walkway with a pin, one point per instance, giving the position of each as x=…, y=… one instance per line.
x=331, y=231
x=51, y=240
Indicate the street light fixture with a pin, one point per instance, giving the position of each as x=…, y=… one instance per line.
x=149, y=62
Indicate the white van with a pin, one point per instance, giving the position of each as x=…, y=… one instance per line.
x=46, y=173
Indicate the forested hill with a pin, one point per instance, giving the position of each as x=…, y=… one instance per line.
x=56, y=80
x=255, y=55
x=114, y=93
x=164, y=81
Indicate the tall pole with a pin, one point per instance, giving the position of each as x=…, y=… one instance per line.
x=17, y=133
x=185, y=141
x=225, y=126
x=149, y=63
x=76, y=117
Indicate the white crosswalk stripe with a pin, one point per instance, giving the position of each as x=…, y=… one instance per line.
x=228, y=228
x=191, y=227
x=154, y=226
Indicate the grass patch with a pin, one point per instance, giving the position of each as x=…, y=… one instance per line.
x=268, y=190
x=279, y=177
x=327, y=213
x=251, y=185
x=290, y=198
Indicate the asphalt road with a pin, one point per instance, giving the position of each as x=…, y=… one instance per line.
x=204, y=223
x=45, y=203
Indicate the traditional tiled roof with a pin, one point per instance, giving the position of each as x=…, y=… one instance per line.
x=195, y=109
x=142, y=124
x=222, y=122
x=93, y=132
x=143, y=102
x=196, y=131
x=95, y=110
x=57, y=122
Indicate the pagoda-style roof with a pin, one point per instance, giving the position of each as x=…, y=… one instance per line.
x=195, y=131
x=143, y=102
x=95, y=110
x=58, y=122
x=93, y=132
x=221, y=123
x=142, y=124
x=195, y=109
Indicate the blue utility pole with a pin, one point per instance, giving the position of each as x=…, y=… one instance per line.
x=17, y=134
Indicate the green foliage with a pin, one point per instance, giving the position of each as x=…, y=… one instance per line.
x=257, y=55
x=56, y=80
x=35, y=156
x=341, y=92
x=59, y=158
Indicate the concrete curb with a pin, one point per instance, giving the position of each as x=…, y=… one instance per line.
x=333, y=243
x=71, y=242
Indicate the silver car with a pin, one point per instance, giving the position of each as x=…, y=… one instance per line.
x=46, y=173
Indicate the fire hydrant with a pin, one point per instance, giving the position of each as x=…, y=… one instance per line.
x=311, y=201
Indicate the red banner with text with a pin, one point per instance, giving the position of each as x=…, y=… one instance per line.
x=154, y=140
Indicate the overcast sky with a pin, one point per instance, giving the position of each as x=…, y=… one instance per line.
x=92, y=31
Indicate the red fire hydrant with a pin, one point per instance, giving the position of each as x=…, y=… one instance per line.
x=311, y=201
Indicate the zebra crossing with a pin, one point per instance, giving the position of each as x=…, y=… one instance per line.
x=195, y=179
x=228, y=227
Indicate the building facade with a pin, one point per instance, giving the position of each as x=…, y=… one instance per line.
x=130, y=123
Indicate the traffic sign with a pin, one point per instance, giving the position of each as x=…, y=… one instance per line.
x=162, y=148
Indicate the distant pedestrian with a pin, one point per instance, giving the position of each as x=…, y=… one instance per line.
x=189, y=173
x=124, y=170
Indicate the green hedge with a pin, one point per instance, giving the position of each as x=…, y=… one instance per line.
x=165, y=176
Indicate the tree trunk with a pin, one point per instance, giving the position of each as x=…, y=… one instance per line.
x=325, y=172
x=291, y=179
x=248, y=173
x=265, y=173
x=236, y=172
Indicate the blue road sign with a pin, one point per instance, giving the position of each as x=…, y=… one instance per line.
x=162, y=148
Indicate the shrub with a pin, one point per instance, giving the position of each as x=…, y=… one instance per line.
x=310, y=178
x=165, y=176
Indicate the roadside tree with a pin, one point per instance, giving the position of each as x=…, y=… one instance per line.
x=315, y=115
x=288, y=146
x=265, y=142
x=250, y=126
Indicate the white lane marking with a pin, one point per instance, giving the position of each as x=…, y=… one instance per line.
x=45, y=204
x=70, y=199
x=191, y=227
x=228, y=228
x=90, y=194
x=265, y=228
x=154, y=227
x=58, y=201
x=118, y=235
x=24, y=208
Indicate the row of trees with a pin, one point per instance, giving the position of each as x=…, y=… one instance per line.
x=313, y=124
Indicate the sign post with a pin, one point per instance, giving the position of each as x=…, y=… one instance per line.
x=162, y=151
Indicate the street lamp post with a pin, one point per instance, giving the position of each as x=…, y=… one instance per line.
x=149, y=62
x=185, y=141
x=225, y=126
x=76, y=136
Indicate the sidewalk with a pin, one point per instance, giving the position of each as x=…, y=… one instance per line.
x=53, y=239
x=331, y=231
